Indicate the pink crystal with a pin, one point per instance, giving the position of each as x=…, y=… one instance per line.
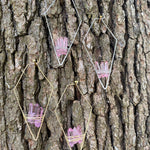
x=61, y=46
x=102, y=70
x=39, y=114
x=31, y=114
x=35, y=114
x=74, y=136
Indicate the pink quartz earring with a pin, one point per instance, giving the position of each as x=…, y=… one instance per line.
x=77, y=134
x=61, y=45
x=104, y=69
x=36, y=114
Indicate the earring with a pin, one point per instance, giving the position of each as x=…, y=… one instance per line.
x=36, y=114
x=102, y=68
x=77, y=134
x=60, y=41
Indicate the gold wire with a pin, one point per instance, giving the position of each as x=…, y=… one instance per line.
x=34, y=118
x=84, y=135
x=75, y=138
x=100, y=18
x=24, y=116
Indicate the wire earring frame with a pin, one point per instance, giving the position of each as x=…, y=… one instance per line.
x=35, y=138
x=74, y=138
x=60, y=63
x=101, y=19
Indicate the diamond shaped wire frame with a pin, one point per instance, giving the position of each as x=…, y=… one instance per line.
x=83, y=136
x=60, y=63
x=101, y=19
x=35, y=138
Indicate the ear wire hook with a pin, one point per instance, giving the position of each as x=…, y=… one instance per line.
x=48, y=7
x=101, y=19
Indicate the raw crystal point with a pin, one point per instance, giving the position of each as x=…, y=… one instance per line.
x=39, y=117
x=102, y=70
x=31, y=114
x=61, y=46
x=35, y=114
x=74, y=136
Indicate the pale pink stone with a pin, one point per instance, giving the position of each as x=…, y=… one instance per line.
x=35, y=114
x=31, y=114
x=61, y=46
x=74, y=134
x=102, y=69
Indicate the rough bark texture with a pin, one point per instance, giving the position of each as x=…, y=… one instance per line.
x=121, y=115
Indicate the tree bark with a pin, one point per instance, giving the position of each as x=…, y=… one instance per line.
x=121, y=115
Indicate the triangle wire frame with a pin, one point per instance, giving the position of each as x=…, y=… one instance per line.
x=50, y=33
x=35, y=138
x=87, y=126
x=101, y=19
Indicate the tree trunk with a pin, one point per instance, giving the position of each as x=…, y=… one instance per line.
x=121, y=114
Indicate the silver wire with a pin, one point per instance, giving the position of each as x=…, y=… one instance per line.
x=53, y=2
x=91, y=60
x=50, y=33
